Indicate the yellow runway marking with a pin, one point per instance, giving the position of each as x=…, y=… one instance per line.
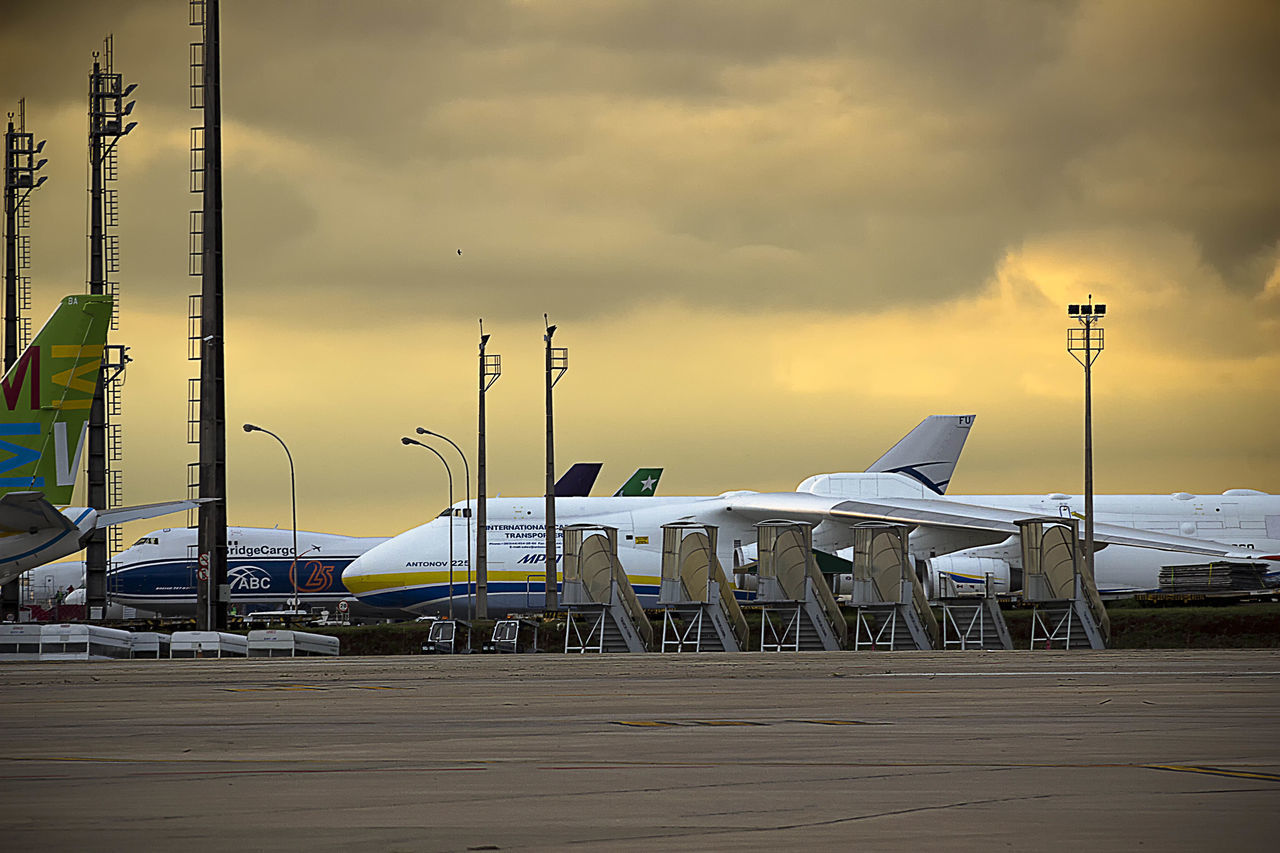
x=1217, y=771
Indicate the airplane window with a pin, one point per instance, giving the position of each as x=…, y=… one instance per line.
x=447, y=511
x=148, y=540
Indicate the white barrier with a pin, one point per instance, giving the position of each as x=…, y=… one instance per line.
x=274, y=642
x=84, y=642
x=20, y=642
x=148, y=644
x=207, y=644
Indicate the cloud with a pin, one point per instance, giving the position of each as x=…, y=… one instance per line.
x=758, y=229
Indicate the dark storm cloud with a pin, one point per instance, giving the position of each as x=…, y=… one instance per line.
x=601, y=154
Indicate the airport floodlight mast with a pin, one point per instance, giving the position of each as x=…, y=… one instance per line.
x=293, y=504
x=406, y=441
x=212, y=593
x=490, y=370
x=1085, y=343
x=466, y=476
x=20, y=167
x=107, y=113
x=557, y=365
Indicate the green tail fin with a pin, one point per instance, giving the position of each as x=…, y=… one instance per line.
x=642, y=483
x=47, y=396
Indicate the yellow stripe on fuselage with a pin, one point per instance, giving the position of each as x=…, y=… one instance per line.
x=388, y=581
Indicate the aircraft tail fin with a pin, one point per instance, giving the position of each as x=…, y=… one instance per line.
x=47, y=395
x=578, y=480
x=929, y=452
x=643, y=482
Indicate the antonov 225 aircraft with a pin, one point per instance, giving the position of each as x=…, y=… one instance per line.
x=962, y=537
x=47, y=395
x=410, y=572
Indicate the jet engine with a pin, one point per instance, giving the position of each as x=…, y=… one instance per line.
x=952, y=575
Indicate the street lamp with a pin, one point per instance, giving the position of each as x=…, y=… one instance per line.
x=466, y=476
x=293, y=502
x=407, y=441
x=1085, y=344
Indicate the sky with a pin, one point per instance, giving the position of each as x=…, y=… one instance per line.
x=773, y=235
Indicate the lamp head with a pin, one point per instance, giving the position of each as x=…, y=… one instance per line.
x=425, y=431
x=251, y=428
x=406, y=441
x=1073, y=310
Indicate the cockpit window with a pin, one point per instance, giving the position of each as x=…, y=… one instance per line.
x=148, y=540
x=447, y=512
x=458, y=512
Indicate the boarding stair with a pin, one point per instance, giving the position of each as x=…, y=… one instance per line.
x=602, y=611
x=699, y=610
x=972, y=621
x=891, y=612
x=797, y=608
x=1067, y=612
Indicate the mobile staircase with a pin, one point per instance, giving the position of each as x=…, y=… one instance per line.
x=797, y=609
x=891, y=610
x=601, y=609
x=699, y=610
x=972, y=621
x=1067, y=612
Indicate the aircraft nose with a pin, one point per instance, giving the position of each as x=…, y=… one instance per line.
x=358, y=576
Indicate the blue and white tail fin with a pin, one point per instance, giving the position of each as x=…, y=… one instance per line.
x=929, y=452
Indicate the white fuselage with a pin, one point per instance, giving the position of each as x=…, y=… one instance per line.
x=411, y=571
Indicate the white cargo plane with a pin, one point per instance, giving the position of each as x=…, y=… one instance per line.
x=410, y=571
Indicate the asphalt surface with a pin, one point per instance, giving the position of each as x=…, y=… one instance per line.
x=1030, y=750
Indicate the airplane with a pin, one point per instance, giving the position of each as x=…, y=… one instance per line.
x=158, y=572
x=404, y=574
x=47, y=395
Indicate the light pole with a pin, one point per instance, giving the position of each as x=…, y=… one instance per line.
x=293, y=502
x=1085, y=345
x=557, y=364
x=490, y=370
x=466, y=476
x=407, y=441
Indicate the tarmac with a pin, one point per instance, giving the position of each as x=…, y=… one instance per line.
x=894, y=751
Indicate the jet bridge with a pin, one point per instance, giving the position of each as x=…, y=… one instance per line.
x=892, y=610
x=699, y=610
x=1067, y=610
x=798, y=611
x=602, y=611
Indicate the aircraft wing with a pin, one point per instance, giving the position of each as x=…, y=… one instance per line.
x=926, y=512
x=119, y=515
x=27, y=512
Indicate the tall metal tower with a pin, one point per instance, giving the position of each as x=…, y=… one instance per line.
x=207, y=395
x=107, y=112
x=20, y=179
